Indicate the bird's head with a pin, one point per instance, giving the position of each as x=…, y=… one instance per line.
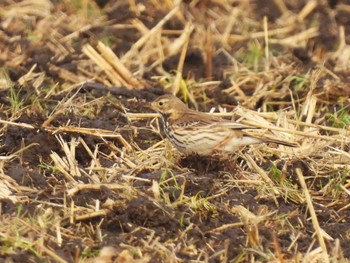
x=168, y=105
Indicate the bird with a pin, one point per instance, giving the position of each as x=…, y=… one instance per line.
x=194, y=132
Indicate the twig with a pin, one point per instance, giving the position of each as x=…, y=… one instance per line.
x=313, y=214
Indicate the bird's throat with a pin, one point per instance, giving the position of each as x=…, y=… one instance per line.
x=165, y=117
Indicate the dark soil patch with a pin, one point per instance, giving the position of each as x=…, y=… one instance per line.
x=197, y=196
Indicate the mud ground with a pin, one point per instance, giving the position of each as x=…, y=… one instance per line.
x=132, y=217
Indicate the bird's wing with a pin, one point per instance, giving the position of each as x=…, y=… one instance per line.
x=194, y=119
x=234, y=125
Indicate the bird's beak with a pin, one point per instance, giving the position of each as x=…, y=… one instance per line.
x=150, y=105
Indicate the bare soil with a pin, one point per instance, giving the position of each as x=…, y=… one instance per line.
x=189, y=220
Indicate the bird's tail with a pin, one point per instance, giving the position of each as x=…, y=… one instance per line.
x=269, y=140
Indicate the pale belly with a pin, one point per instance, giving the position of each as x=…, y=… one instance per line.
x=203, y=144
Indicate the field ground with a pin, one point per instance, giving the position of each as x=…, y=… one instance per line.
x=86, y=174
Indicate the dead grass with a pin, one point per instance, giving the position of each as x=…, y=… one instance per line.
x=85, y=175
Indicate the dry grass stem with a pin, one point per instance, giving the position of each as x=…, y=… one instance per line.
x=137, y=45
x=87, y=173
x=176, y=86
x=311, y=208
x=123, y=72
x=103, y=63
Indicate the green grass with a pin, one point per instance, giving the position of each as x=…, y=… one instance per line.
x=15, y=101
x=298, y=82
x=198, y=203
x=253, y=56
x=339, y=119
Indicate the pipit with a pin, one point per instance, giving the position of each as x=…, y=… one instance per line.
x=193, y=132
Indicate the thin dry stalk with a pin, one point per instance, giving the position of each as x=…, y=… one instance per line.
x=113, y=60
x=282, y=7
x=17, y=124
x=308, y=8
x=262, y=173
x=225, y=227
x=92, y=132
x=266, y=39
x=82, y=187
x=176, y=85
x=113, y=76
x=91, y=215
x=251, y=222
x=298, y=39
x=314, y=219
x=41, y=8
x=209, y=50
x=133, y=52
x=231, y=22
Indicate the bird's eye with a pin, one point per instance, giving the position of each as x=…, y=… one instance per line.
x=161, y=103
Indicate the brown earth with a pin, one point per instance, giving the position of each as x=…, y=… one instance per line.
x=167, y=228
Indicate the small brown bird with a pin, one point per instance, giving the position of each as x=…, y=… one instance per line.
x=193, y=132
